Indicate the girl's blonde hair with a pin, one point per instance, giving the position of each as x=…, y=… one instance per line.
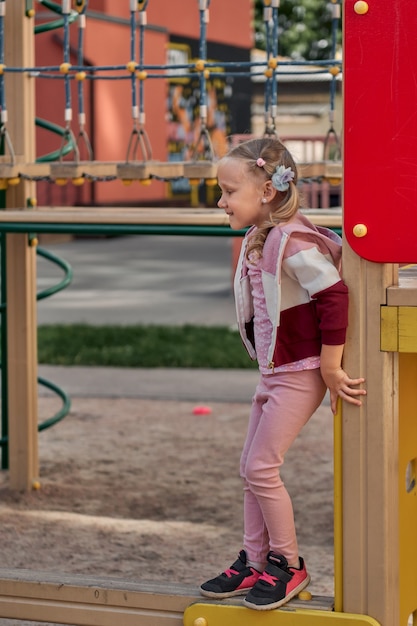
x=286, y=203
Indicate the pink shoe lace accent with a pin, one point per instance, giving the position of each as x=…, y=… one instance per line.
x=268, y=578
x=231, y=572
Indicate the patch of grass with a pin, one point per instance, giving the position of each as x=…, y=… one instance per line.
x=142, y=346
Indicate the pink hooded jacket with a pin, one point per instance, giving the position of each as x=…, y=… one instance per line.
x=306, y=299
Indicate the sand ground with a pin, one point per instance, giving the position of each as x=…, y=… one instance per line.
x=144, y=489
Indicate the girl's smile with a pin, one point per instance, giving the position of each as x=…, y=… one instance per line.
x=242, y=194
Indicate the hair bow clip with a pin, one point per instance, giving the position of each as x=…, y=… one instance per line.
x=282, y=177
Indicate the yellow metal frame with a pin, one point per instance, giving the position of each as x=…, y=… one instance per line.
x=407, y=460
x=399, y=334
x=338, y=508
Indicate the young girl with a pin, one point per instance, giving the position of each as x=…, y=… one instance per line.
x=292, y=306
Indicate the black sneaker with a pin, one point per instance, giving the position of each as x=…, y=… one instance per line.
x=235, y=581
x=278, y=584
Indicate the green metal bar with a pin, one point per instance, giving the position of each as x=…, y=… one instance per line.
x=56, y=8
x=119, y=229
x=42, y=381
x=65, y=407
x=46, y=293
x=63, y=412
x=52, y=6
x=58, y=130
x=124, y=229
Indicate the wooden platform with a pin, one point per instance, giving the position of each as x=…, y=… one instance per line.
x=87, y=601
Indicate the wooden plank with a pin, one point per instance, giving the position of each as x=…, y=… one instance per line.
x=331, y=218
x=13, y=170
x=84, y=601
x=331, y=170
x=200, y=169
x=405, y=293
x=21, y=263
x=88, y=601
x=94, y=169
x=22, y=362
x=118, y=215
x=138, y=170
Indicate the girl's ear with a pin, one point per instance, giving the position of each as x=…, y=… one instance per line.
x=269, y=191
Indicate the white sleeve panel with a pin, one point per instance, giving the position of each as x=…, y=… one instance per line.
x=312, y=269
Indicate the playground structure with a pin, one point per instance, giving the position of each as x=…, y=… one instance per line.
x=17, y=169
x=376, y=447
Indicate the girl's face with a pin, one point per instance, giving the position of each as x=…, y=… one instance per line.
x=244, y=196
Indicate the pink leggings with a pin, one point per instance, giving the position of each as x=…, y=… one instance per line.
x=283, y=403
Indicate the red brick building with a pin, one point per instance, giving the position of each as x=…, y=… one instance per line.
x=172, y=34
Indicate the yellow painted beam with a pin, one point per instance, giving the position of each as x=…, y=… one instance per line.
x=407, y=488
x=399, y=329
x=389, y=328
x=219, y=615
x=407, y=329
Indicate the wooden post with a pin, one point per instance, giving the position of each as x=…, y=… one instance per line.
x=370, y=451
x=380, y=226
x=21, y=259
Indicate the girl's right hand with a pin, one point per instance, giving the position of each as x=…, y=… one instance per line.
x=342, y=386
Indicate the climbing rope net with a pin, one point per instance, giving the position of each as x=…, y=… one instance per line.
x=139, y=163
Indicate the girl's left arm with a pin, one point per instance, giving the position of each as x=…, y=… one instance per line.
x=320, y=278
x=336, y=379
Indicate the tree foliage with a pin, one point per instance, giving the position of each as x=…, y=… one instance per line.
x=304, y=29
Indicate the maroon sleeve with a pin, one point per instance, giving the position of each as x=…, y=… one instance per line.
x=332, y=312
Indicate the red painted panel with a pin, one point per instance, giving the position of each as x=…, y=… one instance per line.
x=380, y=129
